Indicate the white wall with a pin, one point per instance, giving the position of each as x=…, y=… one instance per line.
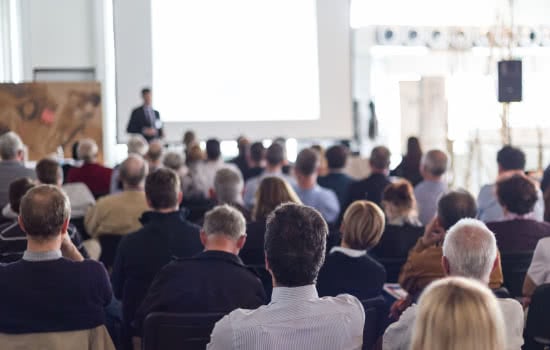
x=57, y=34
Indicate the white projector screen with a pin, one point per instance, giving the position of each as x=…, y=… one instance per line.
x=263, y=68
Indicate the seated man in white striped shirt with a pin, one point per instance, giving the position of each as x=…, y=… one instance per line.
x=296, y=318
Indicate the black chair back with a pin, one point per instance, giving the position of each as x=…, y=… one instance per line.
x=79, y=224
x=537, y=328
x=393, y=267
x=109, y=246
x=375, y=311
x=514, y=269
x=168, y=331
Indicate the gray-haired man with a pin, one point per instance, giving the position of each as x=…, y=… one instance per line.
x=11, y=165
x=469, y=250
x=212, y=281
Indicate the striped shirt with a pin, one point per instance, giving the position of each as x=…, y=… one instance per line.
x=13, y=242
x=296, y=318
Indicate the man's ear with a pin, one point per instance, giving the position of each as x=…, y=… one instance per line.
x=65, y=226
x=20, y=221
x=149, y=204
x=212, y=193
x=204, y=238
x=180, y=197
x=241, y=241
x=445, y=265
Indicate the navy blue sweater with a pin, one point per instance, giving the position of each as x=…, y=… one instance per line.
x=52, y=296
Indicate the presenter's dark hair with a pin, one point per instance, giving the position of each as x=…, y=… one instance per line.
x=145, y=91
x=295, y=242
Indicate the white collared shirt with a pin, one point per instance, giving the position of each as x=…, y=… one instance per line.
x=352, y=253
x=296, y=318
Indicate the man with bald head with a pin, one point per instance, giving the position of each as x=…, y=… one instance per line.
x=119, y=213
x=433, y=168
x=52, y=288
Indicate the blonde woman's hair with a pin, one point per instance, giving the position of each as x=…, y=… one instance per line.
x=272, y=192
x=363, y=225
x=456, y=313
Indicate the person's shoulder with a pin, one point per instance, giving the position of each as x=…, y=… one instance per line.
x=486, y=190
x=344, y=303
x=511, y=309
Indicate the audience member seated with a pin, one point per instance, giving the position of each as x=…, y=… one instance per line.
x=228, y=189
x=409, y=168
x=214, y=162
x=192, y=183
x=510, y=161
x=539, y=270
x=119, y=213
x=336, y=180
x=48, y=172
x=137, y=144
x=13, y=240
x=349, y=268
x=165, y=234
x=402, y=226
x=52, y=288
x=310, y=193
x=275, y=160
x=296, y=318
x=372, y=187
x=95, y=176
x=189, y=140
x=69, y=163
x=433, y=185
x=214, y=280
x=241, y=160
x=456, y=314
x=154, y=155
x=174, y=161
x=469, y=250
x=12, y=152
x=519, y=232
x=256, y=161
x=424, y=261
x=273, y=191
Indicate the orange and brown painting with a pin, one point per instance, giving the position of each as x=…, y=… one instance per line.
x=49, y=115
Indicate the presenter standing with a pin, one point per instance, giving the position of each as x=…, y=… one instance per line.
x=145, y=120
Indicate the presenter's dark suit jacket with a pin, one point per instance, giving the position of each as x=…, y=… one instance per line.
x=138, y=121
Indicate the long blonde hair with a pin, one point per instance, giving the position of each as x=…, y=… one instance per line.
x=457, y=313
x=272, y=192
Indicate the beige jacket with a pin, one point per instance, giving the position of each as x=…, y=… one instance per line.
x=91, y=339
x=117, y=214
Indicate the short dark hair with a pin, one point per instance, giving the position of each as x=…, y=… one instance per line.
x=17, y=190
x=48, y=171
x=162, y=187
x=455, y=205
x=295, y=242
x=44, y=210
x=517, y=193
x=275, y=154
x=337, y=156
x=213, y=151
x=257, y=152
x=380, y=157
x=145, y=91
x=511, y=158
x=307, y=162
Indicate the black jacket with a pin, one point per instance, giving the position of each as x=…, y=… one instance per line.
x=362, y=277
x=141, y=255
x=138, y=121
x=370, y=189
x=212, y=281
x=397, y=240
x=253, y=250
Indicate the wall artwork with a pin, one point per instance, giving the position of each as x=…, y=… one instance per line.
x=49, y=115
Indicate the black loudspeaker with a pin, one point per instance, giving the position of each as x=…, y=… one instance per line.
x=509, y=81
